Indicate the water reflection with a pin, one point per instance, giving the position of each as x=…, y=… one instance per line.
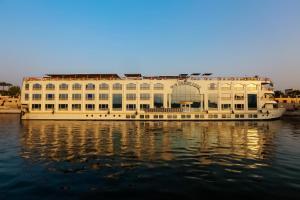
x=134, y=143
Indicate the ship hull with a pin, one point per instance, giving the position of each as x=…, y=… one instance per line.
x=262, y=115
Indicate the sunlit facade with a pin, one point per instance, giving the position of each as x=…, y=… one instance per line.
x=137, y=97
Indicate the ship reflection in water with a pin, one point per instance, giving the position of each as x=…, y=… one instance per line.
x=205, y=142
x=146, y=159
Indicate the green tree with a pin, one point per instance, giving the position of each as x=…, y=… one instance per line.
x=278, y=93
x=14, y=91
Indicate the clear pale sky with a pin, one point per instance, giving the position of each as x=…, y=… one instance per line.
x=225, y=37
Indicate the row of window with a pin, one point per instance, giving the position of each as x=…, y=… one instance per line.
x=128, y=106
x=196, y=116
x=238, y=87
x=132, y=86
x=78, y=107
x=143, y=96
x=91, y=86
x=131, y=96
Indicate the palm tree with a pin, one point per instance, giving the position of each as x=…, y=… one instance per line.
x=3, y=84
x=8, y=85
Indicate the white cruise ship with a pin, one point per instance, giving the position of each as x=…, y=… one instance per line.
x=136, y=97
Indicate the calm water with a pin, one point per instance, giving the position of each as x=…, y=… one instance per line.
x=149, y=160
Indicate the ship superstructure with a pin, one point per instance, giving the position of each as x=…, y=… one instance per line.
x=137, y=97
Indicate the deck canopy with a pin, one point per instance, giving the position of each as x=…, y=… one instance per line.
x=84, y=76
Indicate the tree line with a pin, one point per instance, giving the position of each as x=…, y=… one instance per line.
x=8, y=89
x=293, y=94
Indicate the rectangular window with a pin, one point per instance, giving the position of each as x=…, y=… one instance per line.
x=131, y=86
x=144, y=106
x=90, y=86
x=213, y=101
x=62, y=106
x=211, y=116
x=225, y=96
x=26, y=86
x=226, y=106
x=49, y=106
x=130, y=107
x=103, y=86
x=252, y=101
x=144, y=96
x=37, y=86
x=145, y=86
x=225, y=87
x=63, y=96
x=212, y=86
x=103, y=96
x=26, y=97
x=239, y=115
x=76, y=107
x=130, y=96
x=76, y=96
x=158, y=86
x=158, y=100
x=89, y=106
x=239, y=96
x=63, y=86
x=239, y=106
x=224, y=116
x=50, y=97
x=117, y=101
x=90, y=96
x=36, y=96
x=76, y=86
x=103, y=106
x=50, y=87
x=36, y=106
x=117, y=86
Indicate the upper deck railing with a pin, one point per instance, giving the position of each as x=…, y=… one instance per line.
x=116, y=77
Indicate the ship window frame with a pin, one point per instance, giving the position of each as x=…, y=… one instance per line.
x=90, y=86
x=145, y=86
x=89, y=107
x=75, y=108
x=103, y=96
x=35, y=107
x=50, y=96
x=130, y=86
x=103, y=106
x=76, y=96
x=37, y=86
x=89, y=96
x=49, y=108
x=50, y=86
x=63, y=107
x=130, y=96
x=130, y=106
x=36, y=97
x=158, y=86
x=63, y=86
x=76, y=86
x=117, y=86
x=63, y=96
x=103, y=86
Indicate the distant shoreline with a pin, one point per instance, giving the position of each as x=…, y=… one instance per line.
x=10, y=111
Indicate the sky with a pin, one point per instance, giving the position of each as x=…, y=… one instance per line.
x=152, y=37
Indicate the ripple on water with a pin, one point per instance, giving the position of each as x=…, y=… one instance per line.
x=175, y=159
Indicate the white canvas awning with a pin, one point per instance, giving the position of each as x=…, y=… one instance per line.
x=271, y=102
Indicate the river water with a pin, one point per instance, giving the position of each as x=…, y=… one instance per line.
x=148, y=160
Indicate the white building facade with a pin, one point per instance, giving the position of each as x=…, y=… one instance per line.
x=137, y=97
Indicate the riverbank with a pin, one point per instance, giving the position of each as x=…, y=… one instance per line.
x=295, y=113
x=10, y=111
